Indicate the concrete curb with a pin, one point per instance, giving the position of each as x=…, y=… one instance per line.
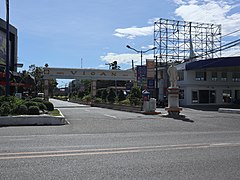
x=226, y=110
x=29, y=120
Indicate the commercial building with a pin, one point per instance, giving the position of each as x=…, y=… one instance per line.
x=209, y=82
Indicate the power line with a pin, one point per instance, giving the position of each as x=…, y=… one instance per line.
x=231, y=33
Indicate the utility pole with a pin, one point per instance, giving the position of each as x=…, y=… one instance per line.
x=7, y=49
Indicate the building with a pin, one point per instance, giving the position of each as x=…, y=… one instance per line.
x=13, y=46
x=209, y=82
x=19, y=82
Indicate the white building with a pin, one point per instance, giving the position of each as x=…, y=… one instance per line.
x=213, y=81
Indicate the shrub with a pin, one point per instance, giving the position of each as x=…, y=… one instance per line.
x=98, y=100
x=104, y=95
x=121, y=96
x=5, y=109
x=135, y=96
x=49, y=105
x=42, y=106
x=125, y=102
x=111, y=96
x=22, y=109
x=33, y=110
x=30, y=103
x=38, y=99
x=99, y=93
x=87, y=98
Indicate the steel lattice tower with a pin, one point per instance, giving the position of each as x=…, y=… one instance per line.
x=183, y=41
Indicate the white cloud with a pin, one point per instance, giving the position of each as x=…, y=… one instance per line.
x=179, y=2
x=126, y=58
x=211, y=11
x=133, y=32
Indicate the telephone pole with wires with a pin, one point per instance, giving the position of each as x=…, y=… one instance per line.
x=7, y=49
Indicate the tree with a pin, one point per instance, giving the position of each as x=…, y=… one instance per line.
x=135, y=96
x=121, y=96
x=104, y=95
x=111, y=96
x=37, y=74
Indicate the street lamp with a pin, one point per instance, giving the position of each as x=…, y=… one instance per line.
x=141, y=51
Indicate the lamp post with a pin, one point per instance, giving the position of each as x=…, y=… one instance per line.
x=141, y=51
x=7, y=49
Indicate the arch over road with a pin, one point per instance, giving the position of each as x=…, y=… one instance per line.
x=90, y=74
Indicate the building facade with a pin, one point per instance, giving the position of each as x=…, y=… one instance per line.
x=209, y=82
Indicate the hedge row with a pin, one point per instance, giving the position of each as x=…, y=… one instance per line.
x=15, y=106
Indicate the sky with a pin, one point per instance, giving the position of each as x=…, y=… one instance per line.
x=92, y=33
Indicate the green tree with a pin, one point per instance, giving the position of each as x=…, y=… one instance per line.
x=121, y=96
x=135, y=96
x=37, y=74
x=104, y=95
x=111, y=96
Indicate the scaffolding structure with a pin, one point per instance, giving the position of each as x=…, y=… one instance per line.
x=186, y=41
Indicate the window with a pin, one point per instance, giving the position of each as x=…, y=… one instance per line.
x=200, y=76
x=227, y=96
x=214, y=76
x=204, y=96
x=181, y=75
x=223, y=76
x=236, y=77
x=194, y=97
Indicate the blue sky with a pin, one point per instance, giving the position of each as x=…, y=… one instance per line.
x=61, y=33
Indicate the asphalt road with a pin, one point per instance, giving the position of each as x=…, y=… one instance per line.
x=108, y=144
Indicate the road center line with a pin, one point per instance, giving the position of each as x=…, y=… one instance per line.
x=106, y=151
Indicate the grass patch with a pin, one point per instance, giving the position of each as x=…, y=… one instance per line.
x=55, y=112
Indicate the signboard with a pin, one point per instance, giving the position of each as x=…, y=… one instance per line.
x=151, y=83
x=91, y=74
x=141, y=75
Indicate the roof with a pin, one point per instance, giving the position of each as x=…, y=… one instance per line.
x=214, y=63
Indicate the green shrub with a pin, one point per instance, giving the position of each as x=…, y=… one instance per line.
x=111, y=96
x=49, y=105
x=30, y=103
x=135, y=96
x=38, y=99
x=98, y=100
x=121, y=96
x=5, y=109
x=33, y=110
x=87, y=98
x=22, y=109
x=125, y=102
x=42, y=106
x=104, y=95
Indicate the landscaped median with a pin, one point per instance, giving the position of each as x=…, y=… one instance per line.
x=28, y=120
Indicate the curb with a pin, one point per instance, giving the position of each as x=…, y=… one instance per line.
x=226, y=110
x=28, y=120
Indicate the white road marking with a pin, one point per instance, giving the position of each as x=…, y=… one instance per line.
x=110, y=116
